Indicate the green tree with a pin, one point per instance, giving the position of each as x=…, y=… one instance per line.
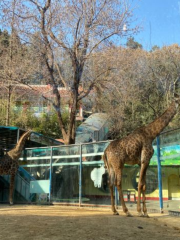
x=154, y=48
x=4, y=39
x=45, y=124
x=131, y=43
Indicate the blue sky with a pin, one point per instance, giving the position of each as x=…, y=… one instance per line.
x=160, y=20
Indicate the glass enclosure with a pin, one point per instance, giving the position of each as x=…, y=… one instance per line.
x=76, y=174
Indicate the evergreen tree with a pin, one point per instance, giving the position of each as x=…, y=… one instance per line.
x=131, y=43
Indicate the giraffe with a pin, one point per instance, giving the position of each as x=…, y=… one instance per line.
x=136, y=148
x=9, y=162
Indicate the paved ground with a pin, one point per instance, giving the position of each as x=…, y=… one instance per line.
x=28, y=222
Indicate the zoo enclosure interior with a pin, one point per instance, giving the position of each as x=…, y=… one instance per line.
x=75, y=174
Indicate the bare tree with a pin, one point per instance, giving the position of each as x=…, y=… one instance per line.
x=73, y=30
x=16, y=65
x=140, y=86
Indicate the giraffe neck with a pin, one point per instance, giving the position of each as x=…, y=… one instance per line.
x=17, y=150
x=154, y=128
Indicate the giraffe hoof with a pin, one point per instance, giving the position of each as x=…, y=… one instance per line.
x=11, y=204
x=140, y=214
x=128, y=214
x=115, y=213
x=146, y=215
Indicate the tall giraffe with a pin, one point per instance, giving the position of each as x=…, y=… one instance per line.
x=9, y=162
x=136, y=148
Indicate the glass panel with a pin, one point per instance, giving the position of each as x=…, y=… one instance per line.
x=34, y=165
x=65, y=174
x=95, y=188
x=66, y=154
x=151, y=179
x=154, y=157
x=35, y=156
x=130, y=181
x=40, y=140
x=170, y=156
x=170, y=148
x=4, y=188
x=21, y=193
x=65, y=183
x=93, y=151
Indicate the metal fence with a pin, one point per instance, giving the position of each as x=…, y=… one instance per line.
x=66, y=174
x=75, y=174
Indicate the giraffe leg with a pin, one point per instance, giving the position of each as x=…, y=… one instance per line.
x=112, y=201
x=142, y=189
x=119, y=187
x=111, y=184
x=11, y=189
x=144, y=197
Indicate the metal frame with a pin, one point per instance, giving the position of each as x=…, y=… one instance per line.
x=80, y=163
x=159, y=174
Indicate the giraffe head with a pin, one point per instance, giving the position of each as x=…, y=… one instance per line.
x=17, y=150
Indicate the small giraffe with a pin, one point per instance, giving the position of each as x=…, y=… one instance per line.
x=136, y=148
x=9, y=162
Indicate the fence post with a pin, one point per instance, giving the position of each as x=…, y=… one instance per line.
x=159, y=175
x=80, y=176
x=50, y=175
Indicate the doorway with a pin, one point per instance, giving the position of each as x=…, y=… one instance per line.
x=173, y=187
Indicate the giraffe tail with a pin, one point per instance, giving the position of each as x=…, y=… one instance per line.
x=104, y=157
x=112, y=178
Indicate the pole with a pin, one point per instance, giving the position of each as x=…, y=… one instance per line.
x=80, y=176
x=18, y=135
x=50, y=176
x=159, y=175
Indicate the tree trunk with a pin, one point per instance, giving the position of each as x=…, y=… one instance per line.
x=8, y=106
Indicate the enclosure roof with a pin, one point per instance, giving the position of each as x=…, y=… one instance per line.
x=95, y=121
x=9, y=135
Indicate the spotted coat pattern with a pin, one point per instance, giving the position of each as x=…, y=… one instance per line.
x=136, y=148
x=9, y=162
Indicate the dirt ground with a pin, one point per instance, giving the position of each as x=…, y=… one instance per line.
x=61, y=222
